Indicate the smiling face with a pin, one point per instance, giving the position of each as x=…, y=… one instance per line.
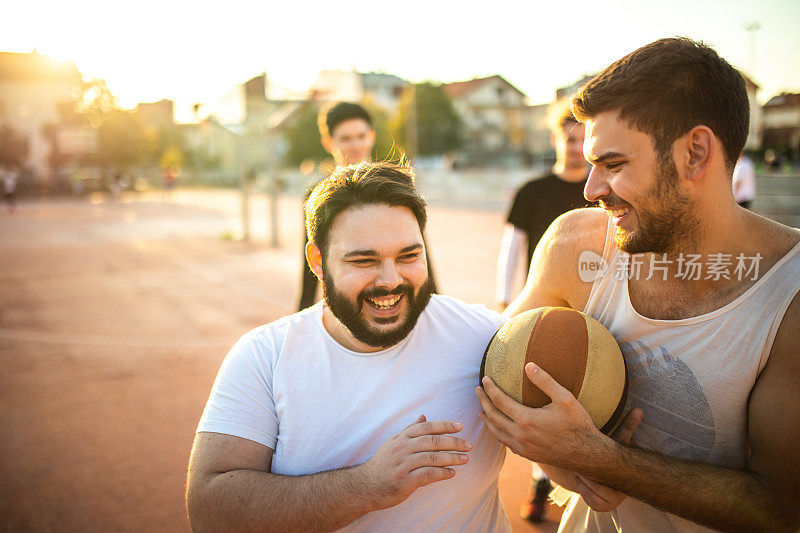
x=350, y=142
x=638, y=187
x=375, y=276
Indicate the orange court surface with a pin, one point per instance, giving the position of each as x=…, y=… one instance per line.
x=115, y=317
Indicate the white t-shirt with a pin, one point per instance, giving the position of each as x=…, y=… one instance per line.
x=290, y=386
x=744, y=180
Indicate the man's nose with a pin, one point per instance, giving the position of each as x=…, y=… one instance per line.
x=388, y=275
x=596, y=185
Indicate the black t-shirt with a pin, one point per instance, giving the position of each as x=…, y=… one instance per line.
x=539, y=202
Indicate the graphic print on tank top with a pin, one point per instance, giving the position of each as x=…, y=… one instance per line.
x=677, y=418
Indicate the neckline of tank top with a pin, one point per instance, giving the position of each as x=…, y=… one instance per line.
x=716, y=312
x=381, y=354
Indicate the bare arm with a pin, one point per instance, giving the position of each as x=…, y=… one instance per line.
x=553, y=278
x=230, y=486
x=761, y=497
x=553, y=281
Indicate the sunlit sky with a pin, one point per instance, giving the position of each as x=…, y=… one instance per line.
x=197, y=51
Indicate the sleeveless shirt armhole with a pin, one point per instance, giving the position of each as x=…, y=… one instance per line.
x=608, y=246
x=773, y=330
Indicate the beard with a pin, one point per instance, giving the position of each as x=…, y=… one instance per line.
x=349, y=312
x=669, y=223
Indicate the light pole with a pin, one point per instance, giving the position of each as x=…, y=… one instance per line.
x=752, y=28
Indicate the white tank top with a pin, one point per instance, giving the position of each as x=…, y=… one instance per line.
x=692, y=378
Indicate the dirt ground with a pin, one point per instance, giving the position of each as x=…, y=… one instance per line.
x=114, y=318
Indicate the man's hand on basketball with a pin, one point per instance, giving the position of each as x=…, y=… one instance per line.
x=556, y=434
x=419, y=455
x=560, y=433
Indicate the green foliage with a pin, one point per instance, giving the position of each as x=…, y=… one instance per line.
x=13, y=147
x=439, y=126
x=303, y=137
x=96, y=103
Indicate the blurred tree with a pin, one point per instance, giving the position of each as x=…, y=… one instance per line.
x=122, y=141
x=13, y=147
x=303, y=137
x=439, y=127
x=95, y=102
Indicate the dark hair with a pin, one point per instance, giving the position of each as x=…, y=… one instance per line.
x=335, y=114
x=668, y=87
x=356, y=186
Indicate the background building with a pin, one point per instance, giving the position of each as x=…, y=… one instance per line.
x=494, y=113
x=34, y=90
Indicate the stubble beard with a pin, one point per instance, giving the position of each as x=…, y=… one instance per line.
x=349, y=312
x=670, y=225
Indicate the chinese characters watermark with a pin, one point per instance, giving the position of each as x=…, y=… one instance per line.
x=690, y=267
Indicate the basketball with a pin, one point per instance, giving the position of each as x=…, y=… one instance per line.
x=575, y=349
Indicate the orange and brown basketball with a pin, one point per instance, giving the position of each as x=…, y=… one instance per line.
x=575, y=349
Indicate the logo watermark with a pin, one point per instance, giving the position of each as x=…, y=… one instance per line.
x=591, y=266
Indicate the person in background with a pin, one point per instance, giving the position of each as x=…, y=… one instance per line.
x=540, y=201
x=10, y=188
x=744, y=181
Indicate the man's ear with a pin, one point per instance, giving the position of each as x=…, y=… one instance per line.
x=314, y=258
x=699, y=147
x=327, y=143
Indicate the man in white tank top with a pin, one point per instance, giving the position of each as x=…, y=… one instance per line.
x=702, y=296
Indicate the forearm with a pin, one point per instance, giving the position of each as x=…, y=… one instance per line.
x=249, y=500
x=561, y=476
x=714, y=496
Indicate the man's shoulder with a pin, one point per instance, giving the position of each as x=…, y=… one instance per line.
x=580, y=229
x=446, y=309
x=269, y=338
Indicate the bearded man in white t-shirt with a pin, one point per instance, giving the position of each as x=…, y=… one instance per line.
x=359, y=412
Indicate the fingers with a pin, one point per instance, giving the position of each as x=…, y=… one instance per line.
x=417, y=421
x=598, y=496
x=440, y=459
x=430, y=474
x=432, y=427
x=499, y=399
x=629, y=424
x=595, y=502
x=439, y=443
x=502, y=437
x=546, y=383
x=495, y=415
x=603, y=491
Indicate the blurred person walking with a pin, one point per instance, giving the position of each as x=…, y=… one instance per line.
x=10, y=178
